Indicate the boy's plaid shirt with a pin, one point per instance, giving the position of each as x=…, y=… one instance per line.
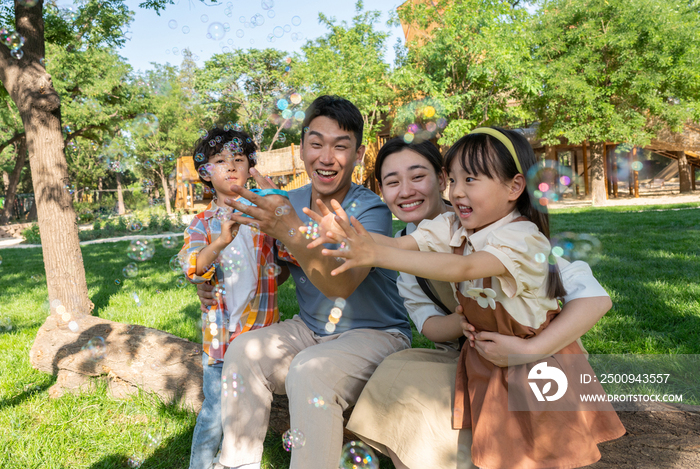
x=260, y=312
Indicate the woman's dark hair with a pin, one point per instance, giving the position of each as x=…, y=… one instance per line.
x=425, y=148
x=340, y=110
x=239, y=142
x=483, y=154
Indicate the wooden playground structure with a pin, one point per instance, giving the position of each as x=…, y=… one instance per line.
x=283, y=165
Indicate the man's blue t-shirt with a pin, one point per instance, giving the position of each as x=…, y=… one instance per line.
x=376, y=303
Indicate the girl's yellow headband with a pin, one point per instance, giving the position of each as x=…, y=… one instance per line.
x=501, y=138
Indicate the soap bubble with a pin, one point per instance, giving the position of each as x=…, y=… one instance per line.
x=299, y=115
x=147, y=124
x=637, y=166
x=281, y=138
x=169, y=242
x=232, y=384
x=117, y=282
x=577, y=247
x=232, y=260
x=546, y=183
x=282, y=104
x=172, y=24
x=311, y=230
x=330, y=327
x=130, y=271
x=302, y=279
x=352, y=208
x=204, y=18
x=293, y=439
x=291, y=232
x=177, y=263
x=17, y=53
x=5, y=324
x=185, y=30
x=272, y=270
x=240, y=33
x=216, y=30
x=318, y=401
x=181, y=282
x=271, y=13
x=357, y=455
x=283, y=210
x=278, y=31
x=96, y=348
x=287, y=114
x=295, y=98
x=136, y=299
x=141, y=250
x=287, y=28
x=296, y=20
x=135, y=461
x=134, y=226
x=73, y=326
x=267, y=4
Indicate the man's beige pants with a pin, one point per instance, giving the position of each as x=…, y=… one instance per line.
x=288, y=358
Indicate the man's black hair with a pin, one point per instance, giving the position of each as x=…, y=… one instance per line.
x=340, y=110
x=237, y=140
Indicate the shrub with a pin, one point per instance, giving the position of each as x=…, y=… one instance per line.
x=154, y=222
x=31, y=235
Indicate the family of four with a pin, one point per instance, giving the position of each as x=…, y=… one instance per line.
x=469, y=279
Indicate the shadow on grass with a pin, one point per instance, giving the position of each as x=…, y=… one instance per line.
x=27, y=393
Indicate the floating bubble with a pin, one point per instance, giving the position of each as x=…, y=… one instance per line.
x=283, y=210
x=408, y=137
x=287, y=114
x=272, y=270
x=232, y=385
x=117, y=282
x=14, y=41
x=169, y=242
x=73, y=326
x=330, y=327
x=302, y=279
x=135, y=461
x=136, y=299
x=96, y=348
x=185, y=30
x=287, y=29
x=311, y=230
x=546, y=183
x=267, y=4
x=177, y=263
x=176, y=51
x=216, y=30
x=357, y=455
x=134, y=226
x=204, y=18
x=282, y=104
x=295, y=98
x=147, y=124
x=130, y=271
x=141, y=250
x=293, y=439
x=233, y=260
x=637, y=166
x=296, y=20
x=5, y=324
x=299, y=115
x=318, y=401
x=181, y=282
x=17, y=53
x=577, y=247
x=281, y=138
x=240, y=33
x=540, y=258
x=271, y=13
x=278, y=31
x=352, y=208
x=172, y=24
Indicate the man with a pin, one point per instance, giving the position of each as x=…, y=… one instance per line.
x=315, y=354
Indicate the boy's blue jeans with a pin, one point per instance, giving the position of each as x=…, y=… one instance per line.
x=208, y=431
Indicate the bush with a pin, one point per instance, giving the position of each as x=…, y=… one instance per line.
x=31, y=235
x=154, y=222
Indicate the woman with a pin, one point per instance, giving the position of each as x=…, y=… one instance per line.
x=406, y=407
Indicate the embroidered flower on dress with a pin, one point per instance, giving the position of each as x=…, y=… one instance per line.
x=483, y=296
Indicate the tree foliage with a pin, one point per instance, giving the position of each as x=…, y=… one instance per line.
x=615, y=71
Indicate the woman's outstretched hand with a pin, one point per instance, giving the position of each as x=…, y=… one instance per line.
x=357, y=248
x=329, y=231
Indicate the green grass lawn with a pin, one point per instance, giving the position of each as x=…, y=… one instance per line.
x=649, y=266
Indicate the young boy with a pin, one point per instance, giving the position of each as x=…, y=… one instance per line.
x=232, y=258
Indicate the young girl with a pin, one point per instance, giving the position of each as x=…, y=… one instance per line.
x=488, y=247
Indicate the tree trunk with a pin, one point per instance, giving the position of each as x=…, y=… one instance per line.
x=39, y=105
x=166, y=194
x=598, y=195
x=11, y=190
x=120, y=195
x=99, y=189
x=684, y=172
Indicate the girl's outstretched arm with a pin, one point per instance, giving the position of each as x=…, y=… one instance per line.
x=327, y=225
x=361, y=250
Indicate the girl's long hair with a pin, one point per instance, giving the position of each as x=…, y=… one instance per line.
x=483, y=154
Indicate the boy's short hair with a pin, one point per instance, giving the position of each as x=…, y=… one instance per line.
x=237, y=141
x=339, y=109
